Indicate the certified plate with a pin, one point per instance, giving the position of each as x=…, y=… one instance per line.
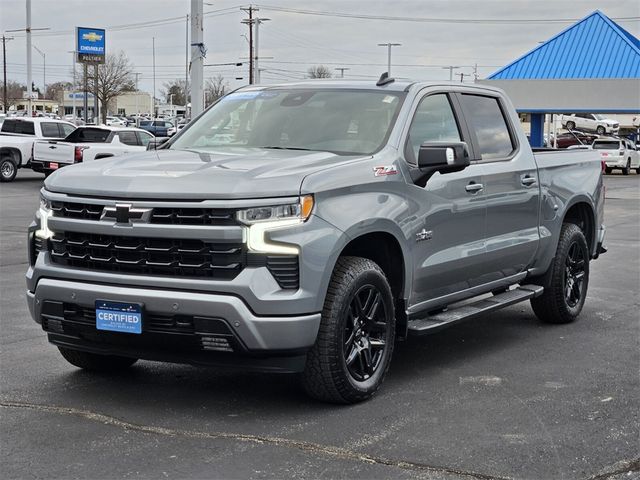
x=118, y=317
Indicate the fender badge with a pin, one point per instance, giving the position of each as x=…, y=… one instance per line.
x=384, y=170
x=424, y=235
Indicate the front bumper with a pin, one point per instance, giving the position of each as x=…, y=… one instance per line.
x=178, y=326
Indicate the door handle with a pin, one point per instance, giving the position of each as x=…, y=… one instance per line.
x=528, y=180
x=474, y=187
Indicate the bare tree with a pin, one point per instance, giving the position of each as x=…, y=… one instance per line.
x=14, y=92
x=215, y=87
x=319, y=71
x=55, y=91
x=175, y=89
x=115, y=77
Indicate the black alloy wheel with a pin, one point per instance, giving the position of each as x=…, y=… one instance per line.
x=574, y=274
x=365, y=333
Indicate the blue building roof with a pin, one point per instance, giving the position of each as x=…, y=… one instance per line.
x=595, y=47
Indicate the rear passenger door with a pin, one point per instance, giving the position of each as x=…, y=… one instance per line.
x=511, y=187
x=448, y=228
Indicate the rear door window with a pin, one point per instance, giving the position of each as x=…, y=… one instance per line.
x=488, y=122
x=128, y=138
x=51, y=130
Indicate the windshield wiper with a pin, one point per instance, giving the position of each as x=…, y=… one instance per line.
x=290, y=148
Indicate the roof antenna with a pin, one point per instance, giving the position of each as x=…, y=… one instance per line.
x=385, y=79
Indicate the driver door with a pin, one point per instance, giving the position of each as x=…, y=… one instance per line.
x=449, y=226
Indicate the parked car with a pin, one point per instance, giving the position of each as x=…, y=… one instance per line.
x=574, y=137
x=171, y=131
x=338, y=219
x=158, y=127
x=86, y=144
x=115, y=122
x=618, y=153
x=592, y=122
x=17, y=135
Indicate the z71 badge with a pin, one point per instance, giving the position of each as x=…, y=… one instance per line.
x=384, y=170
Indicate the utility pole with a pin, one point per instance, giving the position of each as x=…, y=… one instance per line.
x=153, y=39
x=255, y=63
x=186, y=67
x=389, y=45
x=29, y=75
x=137, y=94
x=341, y=70
x=198, y=52
x=451, y=68
x=5, y=101
x=249, y=21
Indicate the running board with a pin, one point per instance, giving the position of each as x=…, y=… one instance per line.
x=438, y=321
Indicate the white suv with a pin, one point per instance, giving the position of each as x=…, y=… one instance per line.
x=618, y=153
x=593, y=122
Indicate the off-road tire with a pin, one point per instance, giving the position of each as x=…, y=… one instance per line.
x=627, y=168
x=8, y=169
x=94, y=362
x=552, y=306
x=326, y=376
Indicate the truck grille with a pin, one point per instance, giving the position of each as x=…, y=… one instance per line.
x=148, y=256
x=159, y=215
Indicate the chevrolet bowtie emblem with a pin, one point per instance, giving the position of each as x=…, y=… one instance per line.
x=123, y=213
x=91, y=36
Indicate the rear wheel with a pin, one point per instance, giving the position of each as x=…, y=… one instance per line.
x=564, y=296
x=95, y=362
x=353, y=349
x=8, y=169
x=627, y=167
x=608, y=170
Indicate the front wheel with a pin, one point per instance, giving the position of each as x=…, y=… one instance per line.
x=564, y=296
x=601, y=130
x=8, y=169
x=353, y=349
x=627, y=168
x=95, y=362
x=570, y=125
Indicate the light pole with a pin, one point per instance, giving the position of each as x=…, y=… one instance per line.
x=258, y=21
x=389, y=45
x=44, y=66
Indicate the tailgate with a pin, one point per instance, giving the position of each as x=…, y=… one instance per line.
x=54, y=151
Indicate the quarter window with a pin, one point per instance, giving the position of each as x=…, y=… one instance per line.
x=433, y=121
x=490, y=126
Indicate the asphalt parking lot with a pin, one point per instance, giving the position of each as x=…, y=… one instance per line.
x=500, y=397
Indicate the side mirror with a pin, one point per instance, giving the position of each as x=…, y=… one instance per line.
x=156, y=143
x=443, y=157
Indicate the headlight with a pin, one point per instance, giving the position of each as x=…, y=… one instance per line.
x=45, y=212
x=259, y=220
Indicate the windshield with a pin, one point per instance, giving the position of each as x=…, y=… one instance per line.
x=606, y=145
x=344, y=122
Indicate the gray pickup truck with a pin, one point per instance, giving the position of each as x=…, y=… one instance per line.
x=308, y=227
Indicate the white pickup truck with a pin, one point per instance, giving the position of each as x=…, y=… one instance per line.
x=17, y=136
x=86, y=144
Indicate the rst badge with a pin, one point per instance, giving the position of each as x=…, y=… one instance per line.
x=384, y=170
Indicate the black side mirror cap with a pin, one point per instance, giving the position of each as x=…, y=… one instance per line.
x=443, y=157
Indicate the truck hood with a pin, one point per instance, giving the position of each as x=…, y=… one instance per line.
x=186, y=174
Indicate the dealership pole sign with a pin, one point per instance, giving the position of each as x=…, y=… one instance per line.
x=90, y=45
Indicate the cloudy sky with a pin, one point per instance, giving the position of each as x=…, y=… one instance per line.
x=467, y=32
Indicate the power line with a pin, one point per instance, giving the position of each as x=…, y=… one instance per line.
x=475, y=21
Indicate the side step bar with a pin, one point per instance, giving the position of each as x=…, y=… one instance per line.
x=438, y=321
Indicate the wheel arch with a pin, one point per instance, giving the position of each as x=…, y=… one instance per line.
x=581, y=213
x=15, y=153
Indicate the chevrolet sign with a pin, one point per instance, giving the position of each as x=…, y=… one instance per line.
x=90, y=45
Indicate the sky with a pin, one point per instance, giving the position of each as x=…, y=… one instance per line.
x=434, y=34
